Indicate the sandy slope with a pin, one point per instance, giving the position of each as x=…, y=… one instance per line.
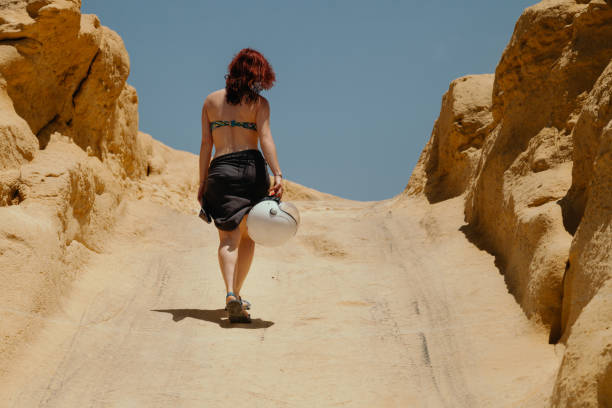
x=376, y=304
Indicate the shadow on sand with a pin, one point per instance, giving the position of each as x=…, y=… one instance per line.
x=217, y=316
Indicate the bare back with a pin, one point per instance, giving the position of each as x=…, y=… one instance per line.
x=229, y=139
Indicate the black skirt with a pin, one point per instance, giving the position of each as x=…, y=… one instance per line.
x=236, y=182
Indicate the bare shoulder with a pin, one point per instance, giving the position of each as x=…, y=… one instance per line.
x=263, y=105
x=264, y=102
x=215, y=98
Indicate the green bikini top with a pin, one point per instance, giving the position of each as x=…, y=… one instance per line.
x=233, y=123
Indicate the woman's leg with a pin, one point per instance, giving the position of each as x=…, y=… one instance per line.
x=228, y=255
x=246, y=249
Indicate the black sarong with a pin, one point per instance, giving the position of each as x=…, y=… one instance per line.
x=235, y=183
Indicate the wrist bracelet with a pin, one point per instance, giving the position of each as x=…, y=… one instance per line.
x=279, y=175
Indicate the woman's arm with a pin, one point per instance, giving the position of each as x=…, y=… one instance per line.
x=267, y=144
x=205, y=151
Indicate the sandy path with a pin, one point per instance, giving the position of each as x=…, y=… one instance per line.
x=371, y=305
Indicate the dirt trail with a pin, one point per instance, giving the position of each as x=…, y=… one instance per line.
x=372, y=305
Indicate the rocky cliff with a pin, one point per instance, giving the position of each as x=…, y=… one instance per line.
x=537, y=178
x=69, y=142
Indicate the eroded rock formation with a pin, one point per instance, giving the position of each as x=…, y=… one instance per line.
x=449, y=159
x=69, y=151
x=540, y=197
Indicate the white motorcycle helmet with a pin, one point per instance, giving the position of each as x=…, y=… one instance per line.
x=272, y=223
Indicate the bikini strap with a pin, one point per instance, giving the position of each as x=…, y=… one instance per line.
x=232, y=123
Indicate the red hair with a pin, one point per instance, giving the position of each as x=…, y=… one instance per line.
x=248, y=73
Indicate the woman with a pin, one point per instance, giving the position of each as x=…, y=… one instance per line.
x=234, y=119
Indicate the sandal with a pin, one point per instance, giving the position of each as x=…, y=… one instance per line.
x=236, y=312
x=245, y=303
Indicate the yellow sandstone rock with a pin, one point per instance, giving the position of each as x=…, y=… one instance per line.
x=449, y=160
x=540, y=197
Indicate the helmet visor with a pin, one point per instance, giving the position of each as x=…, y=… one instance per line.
x=291, y=210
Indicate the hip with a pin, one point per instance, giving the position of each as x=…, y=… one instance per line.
x=245, y=166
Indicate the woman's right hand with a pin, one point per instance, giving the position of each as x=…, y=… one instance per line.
x=201, y=191
x=277, y=188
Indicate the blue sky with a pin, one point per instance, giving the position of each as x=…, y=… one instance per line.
x=359, y=83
